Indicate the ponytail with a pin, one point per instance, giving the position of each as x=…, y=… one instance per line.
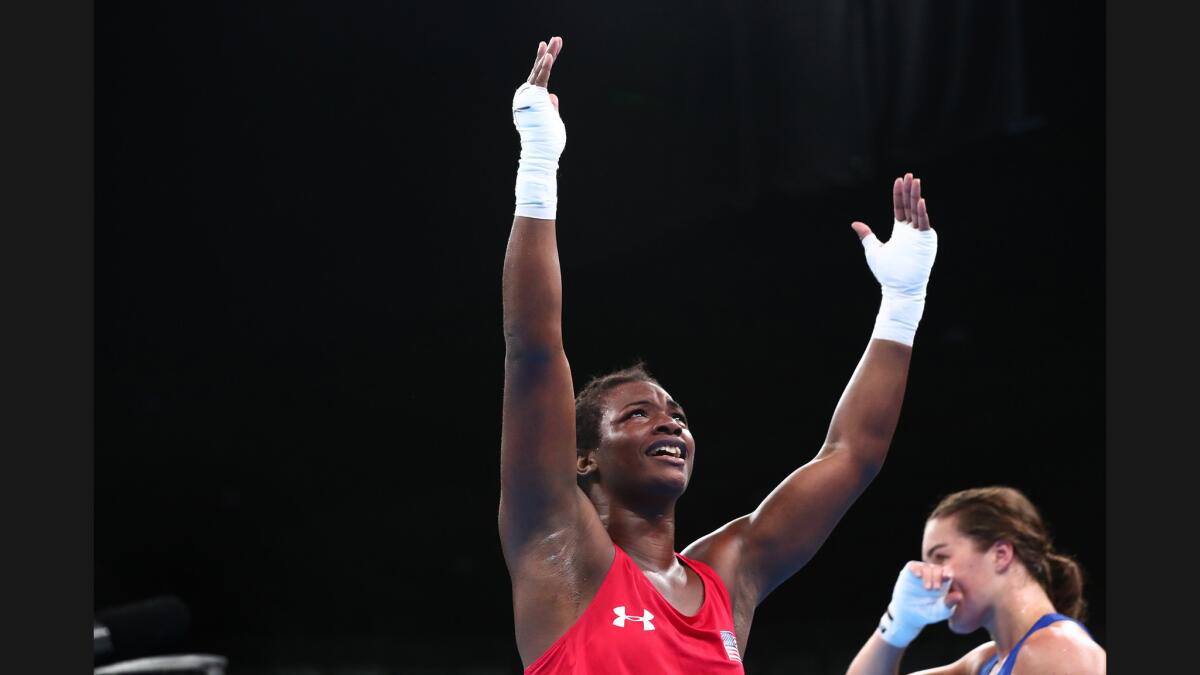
x=1065, y=585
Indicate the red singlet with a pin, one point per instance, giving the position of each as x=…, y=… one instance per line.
x=629, y=627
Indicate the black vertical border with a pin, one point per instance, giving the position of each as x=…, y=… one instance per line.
x=46, y=442
x=1151, y=337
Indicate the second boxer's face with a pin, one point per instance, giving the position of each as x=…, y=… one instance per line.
x=971, y=585
x=645, y=444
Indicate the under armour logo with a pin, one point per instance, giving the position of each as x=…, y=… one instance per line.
x=619, y=622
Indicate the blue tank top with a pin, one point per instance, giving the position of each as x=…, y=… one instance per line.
x=1011, y=663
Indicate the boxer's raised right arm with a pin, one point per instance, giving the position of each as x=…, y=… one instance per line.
x=537, y=444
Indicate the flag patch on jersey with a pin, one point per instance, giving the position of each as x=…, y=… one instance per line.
x=731, y=646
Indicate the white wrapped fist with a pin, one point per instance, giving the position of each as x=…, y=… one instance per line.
x=914, y=606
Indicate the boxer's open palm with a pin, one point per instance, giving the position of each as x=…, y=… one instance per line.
x=547, y=54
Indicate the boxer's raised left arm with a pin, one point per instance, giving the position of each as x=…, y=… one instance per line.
x=786, y=530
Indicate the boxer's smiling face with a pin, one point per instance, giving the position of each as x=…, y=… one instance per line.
x=646, y=448
x=972, y=585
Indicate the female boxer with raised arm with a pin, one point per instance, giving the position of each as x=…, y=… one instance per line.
x=589, y=485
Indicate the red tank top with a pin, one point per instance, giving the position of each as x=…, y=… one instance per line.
x=629, y=627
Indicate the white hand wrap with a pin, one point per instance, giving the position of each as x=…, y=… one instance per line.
x=912, y=608
x=543, y=137
x=901, y=266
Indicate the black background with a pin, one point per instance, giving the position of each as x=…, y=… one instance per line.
x=301, y=216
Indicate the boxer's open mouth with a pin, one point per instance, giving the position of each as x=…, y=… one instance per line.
x=673, y=448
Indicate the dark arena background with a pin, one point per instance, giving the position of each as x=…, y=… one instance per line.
x=302, y=211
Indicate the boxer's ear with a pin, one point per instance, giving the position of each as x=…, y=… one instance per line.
x=585, y=464
x=1002, y=555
